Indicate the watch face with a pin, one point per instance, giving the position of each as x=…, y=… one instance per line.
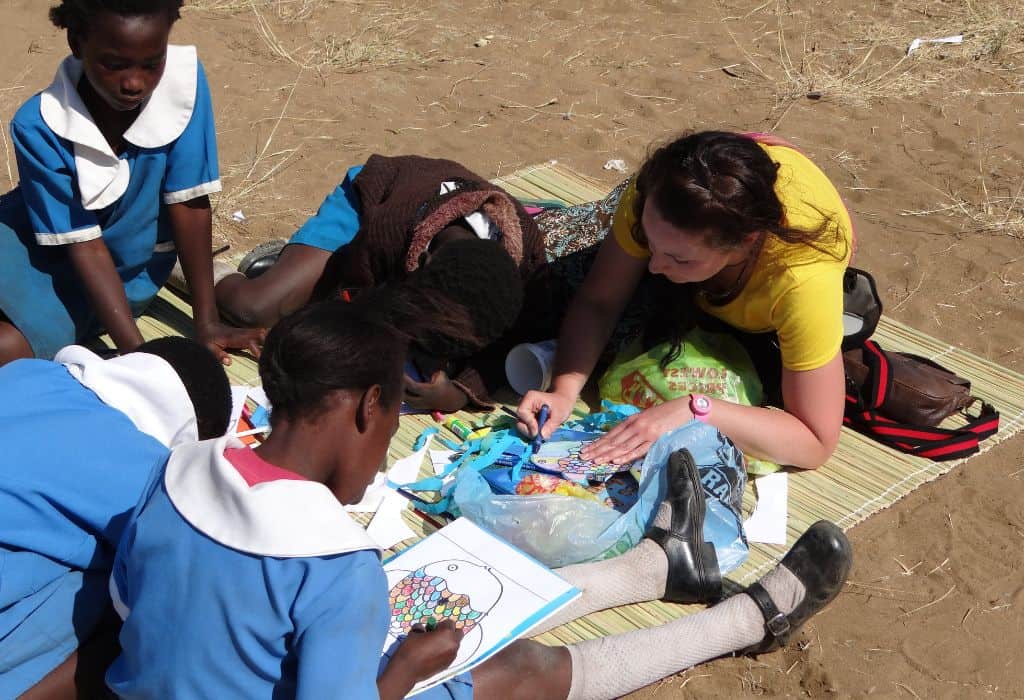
x=702, y=403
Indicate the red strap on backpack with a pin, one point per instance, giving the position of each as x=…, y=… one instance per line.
x=864, y=413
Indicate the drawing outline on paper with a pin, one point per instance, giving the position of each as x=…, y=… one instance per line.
x=449, y=589
x=499, y=593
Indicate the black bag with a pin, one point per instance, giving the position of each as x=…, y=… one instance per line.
x=862, y=308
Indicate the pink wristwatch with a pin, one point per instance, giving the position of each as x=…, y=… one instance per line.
x=700, y=405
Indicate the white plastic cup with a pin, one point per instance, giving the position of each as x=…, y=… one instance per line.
x=852, y=324
x=528, y=366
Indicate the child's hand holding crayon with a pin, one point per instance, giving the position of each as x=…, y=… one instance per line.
x=428, y=650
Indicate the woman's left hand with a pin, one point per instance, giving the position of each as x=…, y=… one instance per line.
x=633, y=437
x=439, y=394
x=220, y=337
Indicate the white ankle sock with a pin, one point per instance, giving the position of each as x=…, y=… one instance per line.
x=638, y=575
x=614, y=666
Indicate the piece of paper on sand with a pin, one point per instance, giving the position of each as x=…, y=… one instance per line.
x=387, y=527
x=918, y=43
x=767, y=524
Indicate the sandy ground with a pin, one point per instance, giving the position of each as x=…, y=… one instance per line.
x=927, y=149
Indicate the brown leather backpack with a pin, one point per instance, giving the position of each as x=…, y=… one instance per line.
x=899, y=400
x=921, y=391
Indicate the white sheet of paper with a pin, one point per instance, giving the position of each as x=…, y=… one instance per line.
x=373, y=497
x=257, y=394
x=387, y=527
x=506, y=592
x=767, y=524
x=440, y=459
x=238, y=396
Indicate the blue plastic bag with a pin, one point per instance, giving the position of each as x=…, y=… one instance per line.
x=723, y=476
x=562, y=530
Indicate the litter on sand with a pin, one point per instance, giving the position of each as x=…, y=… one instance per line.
x=918, y=43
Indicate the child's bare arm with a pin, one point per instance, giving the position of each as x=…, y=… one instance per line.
x=192, y=223
x=95, y=267
x=422, y=654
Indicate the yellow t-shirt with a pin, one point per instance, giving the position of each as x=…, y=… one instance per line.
x=794, y=289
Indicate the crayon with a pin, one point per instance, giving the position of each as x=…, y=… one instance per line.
x=542, y=418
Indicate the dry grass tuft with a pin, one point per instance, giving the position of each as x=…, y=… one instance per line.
x=378, y=43
x=982, y=211
x=992, y=201
x=286, y=10
x=861, y=62
x=378, y=40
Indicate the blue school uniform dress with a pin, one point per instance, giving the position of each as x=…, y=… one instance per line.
x=73, y=465
x=336, y=222
x=74, y=188
x=237, y=586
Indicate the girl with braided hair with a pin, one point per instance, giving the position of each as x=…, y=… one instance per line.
x=748, y=234
x=117, y=159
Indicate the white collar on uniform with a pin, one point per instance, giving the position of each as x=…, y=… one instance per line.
x=142, y=386
x=102, y=176
x=282, y=518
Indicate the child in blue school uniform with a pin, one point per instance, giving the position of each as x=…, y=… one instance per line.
x=80, y=437
x=116, y=161
x=382, y=224
x=240, y=574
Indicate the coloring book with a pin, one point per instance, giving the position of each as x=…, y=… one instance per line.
x=563, y=457
x=492, y=591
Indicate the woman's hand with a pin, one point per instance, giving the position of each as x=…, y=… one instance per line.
x=426, y=652
x=560, y=404
x=633, y=437
x=439, y=394
x=220, y=337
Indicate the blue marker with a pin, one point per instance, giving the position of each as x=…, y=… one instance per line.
x=542, y=418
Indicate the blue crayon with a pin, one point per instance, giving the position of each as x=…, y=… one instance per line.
x=542, y=418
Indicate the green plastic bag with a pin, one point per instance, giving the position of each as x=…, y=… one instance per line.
x=709, y=363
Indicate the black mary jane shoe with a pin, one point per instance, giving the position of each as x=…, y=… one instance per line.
x=261, y=258
x=821, y=560
x=693, y=573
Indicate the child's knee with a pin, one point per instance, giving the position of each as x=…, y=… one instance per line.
x=525, y=669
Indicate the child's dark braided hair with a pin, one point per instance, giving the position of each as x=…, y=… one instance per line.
x=74, y=15
x=203, y=377
x=478, y=277
x=336, y=345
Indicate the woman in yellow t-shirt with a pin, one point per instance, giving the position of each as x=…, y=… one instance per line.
x=761, y=236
